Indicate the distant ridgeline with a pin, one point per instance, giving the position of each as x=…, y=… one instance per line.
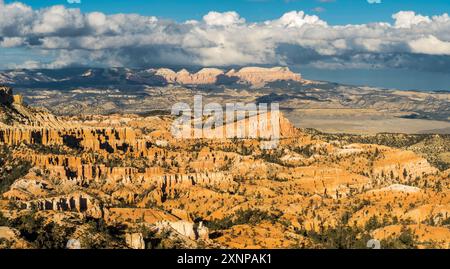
x=251, y=76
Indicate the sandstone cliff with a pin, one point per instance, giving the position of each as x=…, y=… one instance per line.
x=15, y=113
x=255, y=76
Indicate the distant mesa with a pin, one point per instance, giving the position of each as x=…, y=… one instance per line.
x=259, y=75
x=255, y=76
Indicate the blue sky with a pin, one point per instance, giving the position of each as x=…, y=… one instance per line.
x=334, y=11
x=395, y=44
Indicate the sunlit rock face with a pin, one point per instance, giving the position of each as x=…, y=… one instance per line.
x=128, y=174
x=260, y=76
x=255, y=76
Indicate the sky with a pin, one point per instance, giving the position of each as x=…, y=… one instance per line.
x=332, y=11
x=386, y=43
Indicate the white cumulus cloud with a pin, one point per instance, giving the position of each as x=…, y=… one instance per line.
x=298, y=19
x=223, y=38
x=430, y=45
x=406, y=19
x=222, y=19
